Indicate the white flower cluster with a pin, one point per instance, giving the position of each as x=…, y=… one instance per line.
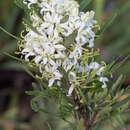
x=59, y=21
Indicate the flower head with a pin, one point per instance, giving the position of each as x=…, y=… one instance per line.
x=61, y=35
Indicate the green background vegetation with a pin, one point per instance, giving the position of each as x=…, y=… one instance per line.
x=15, y=112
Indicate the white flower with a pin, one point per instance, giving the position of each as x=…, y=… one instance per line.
x=103, y=80
x=59, y=47
x=38, y=59
x=33, y=1
x=79, y=67
x=59, y=83
x=91, y=43
x=70, y=90
x=51, y=81
x=76, y=53
x=72, y=75
x=46, y=44
x=94, y=65
x=57, y=76
x=100, y=71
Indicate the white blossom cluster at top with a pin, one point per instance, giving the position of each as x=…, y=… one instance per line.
x=48, y=45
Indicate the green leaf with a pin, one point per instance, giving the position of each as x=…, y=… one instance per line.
x=70, y=39
x=107, y=24
x=21, y=5
x=32, y=93
x=47, y=112
x=115, y=67
x=29, y=72
x=80, y=125
x=119, y=104
x=84, y=4
x=64, y=19
x=34, y=104
x=107, y=69
x=11, y=35
x=37, y=87
x=34, y=85
x=15, y=58
x=117, y=85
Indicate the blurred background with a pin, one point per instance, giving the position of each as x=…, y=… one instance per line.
x=15, y=111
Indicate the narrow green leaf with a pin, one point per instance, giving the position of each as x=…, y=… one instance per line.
x=107, y=69
x=127, y=90
x=43, y=83
x=70, y=39
x=11, y=35
x=47, y=112
x=117, y=85
x=119, y=104
x=80, y=125
x=107, y=24
x=84, y=4
x=115, y=67
x=49, y=126
x=15, y=58
x=32, y=93
x=29, y=72
x=64, y=19
x=34, y=85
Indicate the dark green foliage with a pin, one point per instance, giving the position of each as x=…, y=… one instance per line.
x=120, y=104
x=21, y=5
x=84, y=4
x=103, y=101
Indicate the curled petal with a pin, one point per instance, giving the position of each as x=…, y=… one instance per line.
x=51, y=81
x=70, y=90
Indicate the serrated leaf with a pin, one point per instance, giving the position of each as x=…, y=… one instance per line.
x=107, y=24
x=84, y=4
x=119, y=104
